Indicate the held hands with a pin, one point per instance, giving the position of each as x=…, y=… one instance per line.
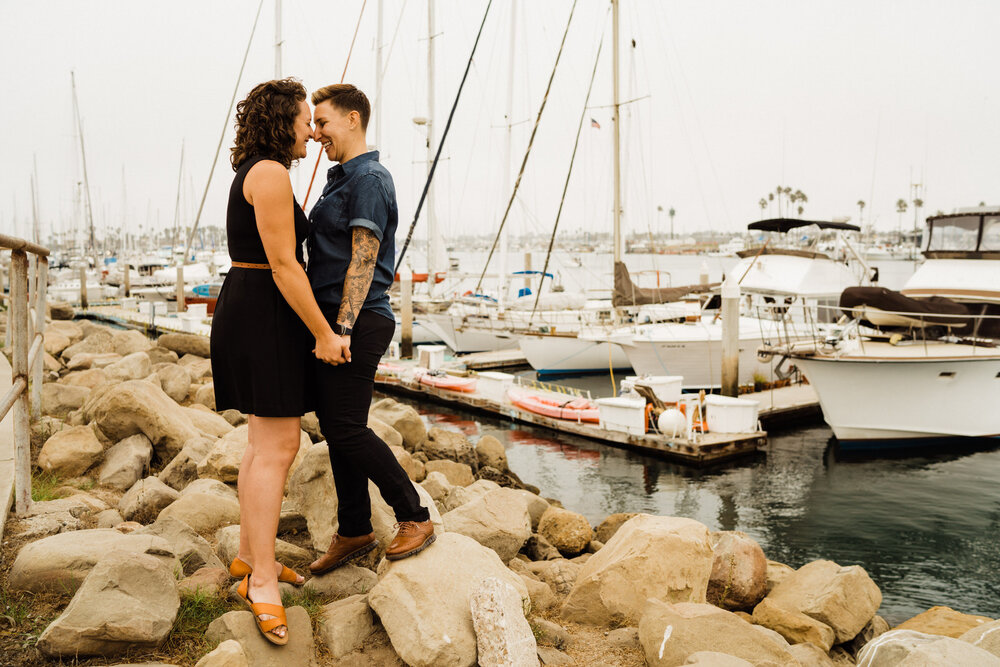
x=333, y=349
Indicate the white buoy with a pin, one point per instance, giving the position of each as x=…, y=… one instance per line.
x=672, y=422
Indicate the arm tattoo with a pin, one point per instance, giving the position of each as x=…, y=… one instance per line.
x=361, y=270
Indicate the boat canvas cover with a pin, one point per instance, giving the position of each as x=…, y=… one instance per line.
x=787, y=224
x=627, y=293
x=934, y=310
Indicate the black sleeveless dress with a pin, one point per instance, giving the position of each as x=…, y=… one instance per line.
x=261, y=350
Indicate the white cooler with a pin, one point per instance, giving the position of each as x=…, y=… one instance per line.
x=494, y=386
x=623, y=414
x=430, y=356
x=725, y=414
x=667, y=388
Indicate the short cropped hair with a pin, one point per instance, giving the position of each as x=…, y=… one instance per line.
x=265, y=122
x=347, y=97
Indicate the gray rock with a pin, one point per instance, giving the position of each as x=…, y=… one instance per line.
x=986, y=636
x=567, y=531
x=503, y=635
x=183, y=468
x=205, y=395
x=739, y=571
x=404, y=419
x=550, y=634
x=491, y=452
x=227, y=541
x=127, y=601
x=161, y=355
x=443, y=444
x=627, y=637
x=227, y=654
x=183, y=343
x=553, y=656
x=58, y=399
x=174, y=380
x=193, y=551
x=133, y=367
x=240, y=626
x=498, y=520
x=347, y=580
x=129, y=342
x=203, y=512
x=146, y=499
x=909, y=647
x=538, y=548
x=345, y=624
x=125, y=462
x=109, y=519
x=70, y=452
x=457, y=474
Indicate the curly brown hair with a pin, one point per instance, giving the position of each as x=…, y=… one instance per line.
x=265, y=122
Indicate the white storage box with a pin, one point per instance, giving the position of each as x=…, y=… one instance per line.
x=198, y=310
x=725, y=414
x=623, y=414
x=667, y=388
x=430, y=356
x=130, y=303
x=494, y=386
x=189, y=323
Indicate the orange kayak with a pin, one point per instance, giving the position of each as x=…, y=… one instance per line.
x=449, y=382
x=574, y=408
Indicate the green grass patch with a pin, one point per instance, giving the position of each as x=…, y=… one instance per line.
x=310, y=600
x=187, y=637
x=43, y=487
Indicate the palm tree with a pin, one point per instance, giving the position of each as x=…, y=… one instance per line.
x=861, y=210
x=901, y=209
x=671, y=213
x=917, y=203
x=763, y=205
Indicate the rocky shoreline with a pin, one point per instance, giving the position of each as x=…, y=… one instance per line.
x=144, y=518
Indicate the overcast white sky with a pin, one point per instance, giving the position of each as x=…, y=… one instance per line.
x=843, y=100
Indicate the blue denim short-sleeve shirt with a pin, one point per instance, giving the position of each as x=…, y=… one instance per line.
x=358, y=193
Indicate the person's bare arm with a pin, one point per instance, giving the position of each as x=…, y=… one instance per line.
x=269, y=190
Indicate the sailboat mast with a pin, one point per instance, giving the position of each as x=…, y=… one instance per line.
x=508, y=140
x=616, y=125
x=177, y=204
x=378, y=78
x=432, y=230
x=34, y=202
x=277, y=39
x=83, y=157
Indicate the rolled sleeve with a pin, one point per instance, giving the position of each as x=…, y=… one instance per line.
x=367, y=224
x=369, y=206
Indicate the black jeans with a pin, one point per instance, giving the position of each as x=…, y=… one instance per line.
x=344, y=395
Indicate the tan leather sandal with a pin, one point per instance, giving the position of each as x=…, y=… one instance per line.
x=239, y=569
x=259, y=609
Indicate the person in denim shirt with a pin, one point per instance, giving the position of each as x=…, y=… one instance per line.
x=351, y=252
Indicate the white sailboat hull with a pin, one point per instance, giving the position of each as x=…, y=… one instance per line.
x=550, y=355
x=462, y=338
x=906, y=399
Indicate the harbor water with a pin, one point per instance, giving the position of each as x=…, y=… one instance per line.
x=925, y=528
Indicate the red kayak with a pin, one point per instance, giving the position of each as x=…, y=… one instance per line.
x=449, y=382
x=573, y=408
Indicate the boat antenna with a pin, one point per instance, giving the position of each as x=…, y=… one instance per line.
x=222, y=136
x=444, y=135
x=569, y=172
x=342, y=75
x=527, y=152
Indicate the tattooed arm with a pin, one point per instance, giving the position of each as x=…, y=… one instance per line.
x=361, y=270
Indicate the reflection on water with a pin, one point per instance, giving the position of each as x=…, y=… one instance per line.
x=925, y=528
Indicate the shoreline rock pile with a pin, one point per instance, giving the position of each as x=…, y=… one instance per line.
x=152, y=516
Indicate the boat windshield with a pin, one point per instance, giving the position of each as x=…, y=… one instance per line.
x=955, y=234
x=991, y=233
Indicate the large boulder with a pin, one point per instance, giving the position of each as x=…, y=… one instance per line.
x=86, y=360
x=129, y=342
x=499, y=520
x=203, y=511
x=127, y=601
x=344, y=581
x=55, y=342
x=312, y=491
x=240, y=626
x=125, y=462
x=909, y=647
x=222, y=462
x=444, y=444
x=503, y=635
x=58, y=399
x=205, y=395
x=664, y=558
x=145, y=499
x=985, y=636
x=227, y=541
x=669, y=633
x=90, y=378
x=739, y=571
x=70, y=452
x=458, y=474
x=437, y=485
x=560, y=574
x=183, y=468
x=227, y=654
x=491, y=452
x=414, y=468
x=133, y=367
x=794, y=626
x=607, y=528
x=207, y=421
x=127, y=408
x=460, y=495
x=944, y=621
x=62, y=312
x=437, y=584
x=567, y=531
x=161, y=355
x=537, y=506
x=97, y=342
x=345, y=624
x=404, y=419
x=174, y=380
x=182, y=344
x=198, y=367
x=66, y=327
x=61, y=562
x=193, y=551
x=844, y=598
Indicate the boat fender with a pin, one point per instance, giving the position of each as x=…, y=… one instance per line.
x=672, y=422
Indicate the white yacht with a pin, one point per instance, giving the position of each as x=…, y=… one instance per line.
x=931, y=371
x=786, y=290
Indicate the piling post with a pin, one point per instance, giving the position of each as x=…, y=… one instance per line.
x=40, y=301
x=128, y=280
x=406, y=313
x=83, y=287
x=18, y=320
x=181, y=306
x=730, y=337
x=527, y=267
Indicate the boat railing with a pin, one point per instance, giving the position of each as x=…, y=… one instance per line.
x=552, y=388
x=818, y=331
x=26, y=310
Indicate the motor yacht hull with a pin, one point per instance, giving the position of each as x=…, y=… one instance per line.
x=552, y=355
x=898, y=401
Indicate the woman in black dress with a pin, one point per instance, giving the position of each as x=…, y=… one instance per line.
x=265, y=328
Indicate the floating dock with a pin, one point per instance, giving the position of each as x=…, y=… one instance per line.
x=703, y=449
x=146, y=322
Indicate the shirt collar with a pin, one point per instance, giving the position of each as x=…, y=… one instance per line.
x=352, y=165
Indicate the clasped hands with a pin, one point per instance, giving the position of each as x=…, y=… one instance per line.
x=333, y=349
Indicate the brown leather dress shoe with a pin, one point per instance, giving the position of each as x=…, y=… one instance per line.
x=412, y=538
x=343, y=549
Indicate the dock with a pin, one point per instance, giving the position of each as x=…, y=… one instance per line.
x=146, y=322
x=499, y=360
x=704, y=449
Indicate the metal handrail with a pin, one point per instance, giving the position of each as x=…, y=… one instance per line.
x=26, y=335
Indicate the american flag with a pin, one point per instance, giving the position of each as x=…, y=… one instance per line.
x=594, y=123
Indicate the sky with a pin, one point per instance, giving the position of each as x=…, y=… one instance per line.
x=845, y=101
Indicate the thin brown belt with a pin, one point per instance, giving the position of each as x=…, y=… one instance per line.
x=251, y=265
